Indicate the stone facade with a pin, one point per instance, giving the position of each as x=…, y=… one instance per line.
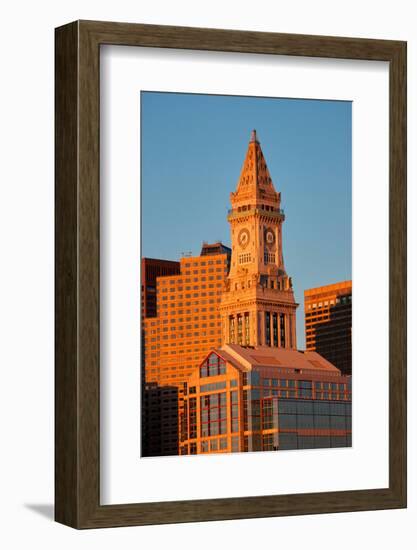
x=257, y=306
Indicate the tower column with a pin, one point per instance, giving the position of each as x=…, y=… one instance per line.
x=287, y=331
x=246, y=330
x=279, y=329
x=293, y=331
x=254, y=329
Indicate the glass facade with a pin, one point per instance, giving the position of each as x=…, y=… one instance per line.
x=213, y=416
x=213, y=366
x=266, y=409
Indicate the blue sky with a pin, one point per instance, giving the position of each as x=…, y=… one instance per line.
x=193, y=148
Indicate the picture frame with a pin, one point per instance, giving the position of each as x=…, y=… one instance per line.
x=77, y=292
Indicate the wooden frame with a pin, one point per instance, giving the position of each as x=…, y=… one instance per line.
x=77, y=404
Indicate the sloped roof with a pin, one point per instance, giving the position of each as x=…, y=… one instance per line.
x=255, y=174
x=264, y=356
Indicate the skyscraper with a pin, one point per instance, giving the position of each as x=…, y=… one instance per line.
x=152, y=268
x=328, y=323
x=187, y=323
x=257, y=306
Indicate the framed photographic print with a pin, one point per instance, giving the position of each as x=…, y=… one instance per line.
x=230, y=274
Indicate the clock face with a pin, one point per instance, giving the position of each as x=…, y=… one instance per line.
x=243, y=238
x=269, y=237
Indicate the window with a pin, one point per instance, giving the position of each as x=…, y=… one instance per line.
x=247, y=331
x=269, y=258
x=275, y=328
x=193, y=448
x=268, y=442
x=235, y=444
x=214, y=445
x=267, y=328
x=244, y=258
x=239, y=330
x=282, y=329
x=213, y=414
x=267, y=414
x=211, y=387
x=192, y=420
x=234, y=412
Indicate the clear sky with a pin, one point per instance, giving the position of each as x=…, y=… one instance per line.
x=193, y=148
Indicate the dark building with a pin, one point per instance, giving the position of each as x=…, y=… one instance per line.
x=151, y=269
x=328, y=323
x=215, y=248
x=157, y=402
x=160, y=423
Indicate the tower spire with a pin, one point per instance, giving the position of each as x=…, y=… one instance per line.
x=255, y=183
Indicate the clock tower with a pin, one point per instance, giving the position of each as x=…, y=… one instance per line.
x=257, y=306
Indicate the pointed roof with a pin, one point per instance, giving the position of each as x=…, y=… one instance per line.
x=255, y=177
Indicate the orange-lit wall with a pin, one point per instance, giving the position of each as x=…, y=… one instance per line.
x=187, y=322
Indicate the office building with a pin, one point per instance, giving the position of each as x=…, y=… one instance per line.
x=187, y=322
x=152, y=268
x=243, y=399
x=328, y=323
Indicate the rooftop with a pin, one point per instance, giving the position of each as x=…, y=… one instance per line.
x=246, y=358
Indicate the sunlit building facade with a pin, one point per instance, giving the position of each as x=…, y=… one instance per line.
x=258, y=306
x=245, y=399
x=187, y=323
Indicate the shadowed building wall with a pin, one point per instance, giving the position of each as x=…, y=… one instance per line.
x=152, y=268
x=160, y=421
x=151, y=444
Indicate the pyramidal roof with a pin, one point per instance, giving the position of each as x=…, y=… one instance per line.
x=254, y=177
